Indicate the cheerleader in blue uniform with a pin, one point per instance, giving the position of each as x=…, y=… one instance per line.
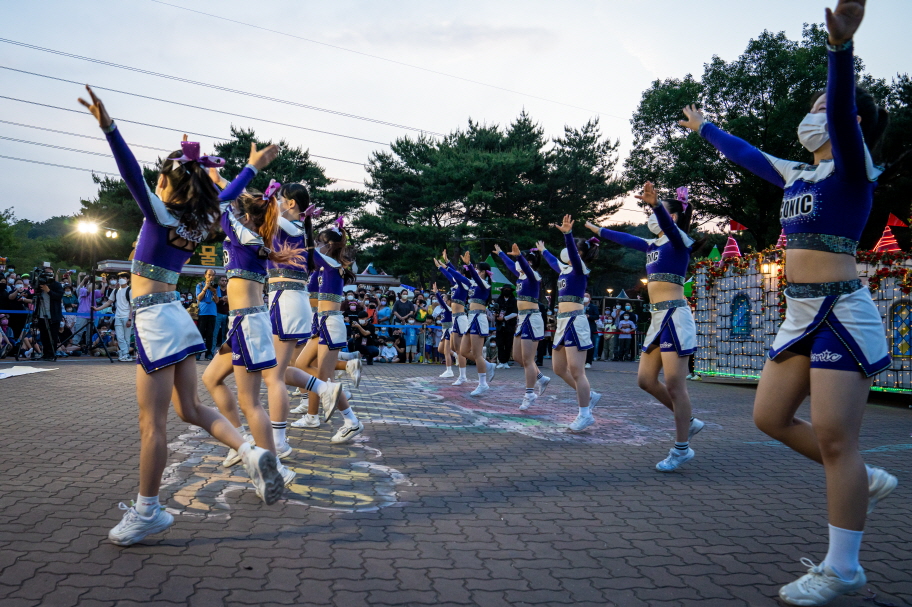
x=531, y=326
x=177, y=217
x=446, y=325
x=571, y=336
x=832, y=339
x=672, y=335
x=473, y=339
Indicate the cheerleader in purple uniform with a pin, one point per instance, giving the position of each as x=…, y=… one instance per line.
x=178, y=216
x=473, y=339
x=832, y=339
x=571, y=336
x=459, y=296
x=672, y=335
x=531, y=326
x=446, y=324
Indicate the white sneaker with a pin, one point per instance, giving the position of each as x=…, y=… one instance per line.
x=353, y=368
x=232, y=459
x=528, y=401
x=695, y=426
x=880, y=484
x=297, y=392
x=329, y=400
x=288, y=475
x=134, y=528
x=541, y=384
x=819, y=585
x=594, y=398
x=479, y=390
x=302, y=408
x=588, y=365
x=283, y=450
x=263, y=468
x=347, y=433
x=308, y=421
x=675, y=461
x=447, y=373
x=459, y=381
x=582, y=422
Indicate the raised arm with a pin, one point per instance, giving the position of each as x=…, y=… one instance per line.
x=509, y=263
x=622, y=238
x=551, y=259
x=458, y=276
x=842, y=113
x=526, y=268
x=475, y=276
x=441, y=301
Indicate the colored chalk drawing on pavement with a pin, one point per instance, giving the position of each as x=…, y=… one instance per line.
x=335, y=478
x=436, y=403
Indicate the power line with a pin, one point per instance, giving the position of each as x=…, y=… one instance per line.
x=148, y=147
x=196, y=107
x=409, y=65
x=214, y=86
x=62, y=166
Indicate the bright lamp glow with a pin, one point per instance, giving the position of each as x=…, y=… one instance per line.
x=113, y=234
x=87, y=227
x=644, y=280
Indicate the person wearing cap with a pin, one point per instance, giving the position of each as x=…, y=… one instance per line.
x=364, y=338
x=120, y=300
x=49, y=309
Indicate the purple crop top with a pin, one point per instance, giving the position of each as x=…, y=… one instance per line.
x=667, y=257
x=331, y=278
x=460, y=291
x=528, y=281
x=157, y=257
x=571, y=285
x=480, y=292
x=296, y=234
x=825, y=207
x=447, y=312
x=245, y=254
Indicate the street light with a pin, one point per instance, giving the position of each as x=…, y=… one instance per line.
x=110, y=233
x=610, y=291
x=87, y=227
x=644, y=280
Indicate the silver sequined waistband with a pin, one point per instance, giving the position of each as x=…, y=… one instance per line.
x=154, y=299
x=288, y=273
x=461, y=302
x=330, y=297
x=665, y=277
x=458, y=314
x=446, y=325
x=246, y=275
x=526, y=298
x=530, y=311
x=330, y=313
x=821, y=242
x=570, y=314
x=569, y=299
x=286, y=285
x=807, y=290
x=152, y=272
x=667, y=305
x=475, y=300
x=247, y=311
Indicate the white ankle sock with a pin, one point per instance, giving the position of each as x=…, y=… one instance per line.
x=482, y=379
x=245, y=447
x=349, y=416
x=347, y=356
x=278, y=432
x=449, y=368
x=585, y=411
x=147, y=506
x=842, y=556
x=462, y=372
x=242, y=429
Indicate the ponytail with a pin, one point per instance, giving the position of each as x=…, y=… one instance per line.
x=265, y=216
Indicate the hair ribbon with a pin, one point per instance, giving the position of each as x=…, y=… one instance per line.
x=340, y=224
x=594, y=241
x=190, y=152
x=681, y=195
x=312, y=211
x=273, y=187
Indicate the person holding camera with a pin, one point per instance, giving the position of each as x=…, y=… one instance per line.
x=48, y=308
x=364, y=338
x=208, y=294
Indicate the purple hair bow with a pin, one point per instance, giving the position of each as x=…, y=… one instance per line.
x=190, y=152
x=594, y=241
x=340, y=223
x=312, y=211
x=271, y=189
x=681, y=195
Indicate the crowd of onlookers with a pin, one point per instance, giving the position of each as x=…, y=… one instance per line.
x=396, y=325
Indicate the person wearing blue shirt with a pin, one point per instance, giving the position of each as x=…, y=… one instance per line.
x=208, y=294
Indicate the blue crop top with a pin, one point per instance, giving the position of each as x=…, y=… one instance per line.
x=480, y=292
x=528, y=281
x=158, y=255
x=244, y=252
x=295, y=234
x=571, y=286
x=667, y=257
x=331, y=277
x=460, y=291
x=447, y=312
x=825, y=207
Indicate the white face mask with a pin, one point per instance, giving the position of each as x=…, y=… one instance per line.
x=653, y=224
x=112, y=282
x=62, y=324
x=25, y=281
x=586, y=300
x=350, y=297
x=67, y=293
x=122, y=281
x=812, y=131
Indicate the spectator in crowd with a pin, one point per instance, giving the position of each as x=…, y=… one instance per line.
x=70, y=301
x=221, y=315
x=20, y=299
x=104, y=341
x=49, y=310
x=422, y=315
x=399, y=345
x=364, y=338
x=64, y=339
x=611, y=339
x=7, y=339
x=31, y=344
x=627, y=328
x=403, y=309
x=4, y=287
x=121, y=303
x=592, y=314
x=350, y=309
x=411, y=340
x=372, y=310
x=208, y=293
x=388, y=353
x=633, y=315
x=83, y=309
x=505, y=325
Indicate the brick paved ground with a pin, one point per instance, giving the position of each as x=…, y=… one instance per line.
x=445, y=501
